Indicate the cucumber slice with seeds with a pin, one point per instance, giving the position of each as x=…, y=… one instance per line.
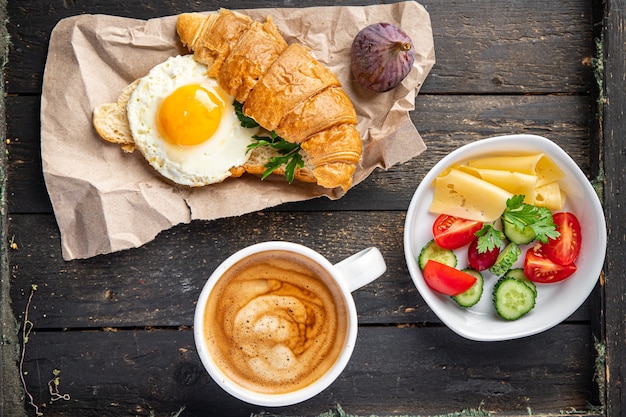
x=512, y=298
x=514, y=234
x=471, y=296
x=506, y=259
x=435, y=252
x=518, y=273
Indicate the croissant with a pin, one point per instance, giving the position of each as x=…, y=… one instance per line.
x=282, y=87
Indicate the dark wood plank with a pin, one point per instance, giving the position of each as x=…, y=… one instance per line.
x=445, y=122
x=158, y=284
x=433, y=371
x=479, y=45
x=509, y=47
x=26, y=184
x=614, y=132
x=9, y=377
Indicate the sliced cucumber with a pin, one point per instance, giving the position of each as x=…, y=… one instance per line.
x=514, y=234
x=506, y=259
x=512, y=298
x=471, y=296
x=518, y=273
x=435, y=252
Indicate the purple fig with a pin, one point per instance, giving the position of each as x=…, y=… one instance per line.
x=382, y=56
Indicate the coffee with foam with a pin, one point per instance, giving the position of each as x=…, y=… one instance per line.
x=275, y=322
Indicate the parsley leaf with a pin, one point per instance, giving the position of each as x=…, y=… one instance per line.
x=289, y=152
x=245, y=121
x=289, y=155
x=522, y=215
x=489, y=238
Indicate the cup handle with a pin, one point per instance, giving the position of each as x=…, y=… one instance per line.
x=362, y=268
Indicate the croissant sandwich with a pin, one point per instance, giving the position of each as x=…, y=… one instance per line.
x=298, y=119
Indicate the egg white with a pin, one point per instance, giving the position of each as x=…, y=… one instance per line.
x=206, y=163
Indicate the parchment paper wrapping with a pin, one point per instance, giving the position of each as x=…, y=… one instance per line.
x=106, y=200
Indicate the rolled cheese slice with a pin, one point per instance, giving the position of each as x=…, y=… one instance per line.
x=536, y=164
x=547, y=172
x=460, y=194
x=550, y=195
x=516, y=183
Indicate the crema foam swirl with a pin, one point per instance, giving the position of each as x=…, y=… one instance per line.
x=276, y=322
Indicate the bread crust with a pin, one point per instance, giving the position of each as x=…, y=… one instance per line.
x=111, y=122
x=334, y=154
x=328, y=108
x=212, y=37
x=291, y=80
x=250, y=58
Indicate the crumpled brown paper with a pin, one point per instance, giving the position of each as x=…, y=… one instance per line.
x=106, y=200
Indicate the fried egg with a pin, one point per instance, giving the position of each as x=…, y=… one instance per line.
x=185, y=125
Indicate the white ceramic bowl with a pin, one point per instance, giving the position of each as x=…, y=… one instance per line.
x=555, y=302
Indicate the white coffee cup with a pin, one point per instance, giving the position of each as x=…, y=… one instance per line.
x=348, y=275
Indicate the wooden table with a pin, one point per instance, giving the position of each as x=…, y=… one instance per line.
x=117, y=329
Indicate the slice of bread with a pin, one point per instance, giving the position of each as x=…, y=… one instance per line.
x=111, y=123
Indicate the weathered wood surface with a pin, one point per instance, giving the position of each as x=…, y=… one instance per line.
x=118, y=326
x=162, y=373
x=614, y=140
x=483, y=46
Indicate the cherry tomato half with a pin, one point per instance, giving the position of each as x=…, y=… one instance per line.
x=538, y=267
x=446, y=279
x=481, y=261
x=564, y=249
x=452, y=232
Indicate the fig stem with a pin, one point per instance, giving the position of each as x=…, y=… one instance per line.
x=405, y=46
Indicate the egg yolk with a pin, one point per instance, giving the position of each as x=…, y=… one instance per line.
x=190, y=115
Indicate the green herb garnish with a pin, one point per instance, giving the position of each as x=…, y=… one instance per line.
x=289, y=152
x=247, y=122
x=289, y=155
x=522, y=215
x=488, y=238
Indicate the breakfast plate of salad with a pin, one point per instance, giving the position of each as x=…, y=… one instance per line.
x=505, y=238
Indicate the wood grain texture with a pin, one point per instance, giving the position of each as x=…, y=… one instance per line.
x=614, y=134
x=482, y=47
x=164, y=374
x=9, y=375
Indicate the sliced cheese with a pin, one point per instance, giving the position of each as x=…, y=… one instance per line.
x=460, y=194
x=547, y=171
x=550, y=196
x=524, y=164
x=516, y=183
x=536, y=164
